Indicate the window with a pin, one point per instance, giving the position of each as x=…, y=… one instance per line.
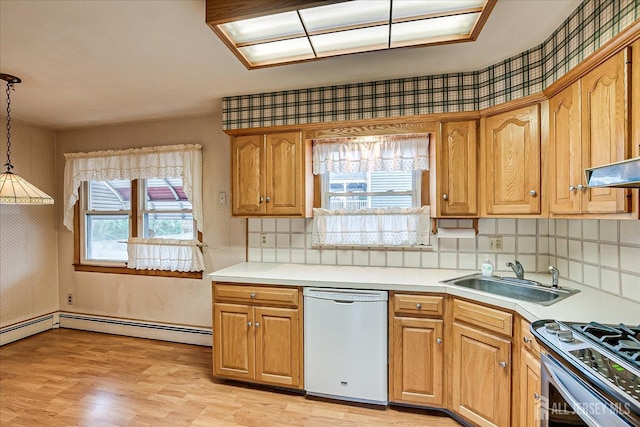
x=371, y=191
x=380, y=189
x=136, y=211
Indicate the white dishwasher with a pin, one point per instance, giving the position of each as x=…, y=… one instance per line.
x=345, y=344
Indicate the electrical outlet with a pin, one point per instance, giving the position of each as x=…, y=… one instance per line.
x=264, y=239
x=70, y=299
x=495, y=243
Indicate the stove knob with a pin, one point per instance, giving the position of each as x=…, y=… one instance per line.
x=552, y=327
x=566, y=336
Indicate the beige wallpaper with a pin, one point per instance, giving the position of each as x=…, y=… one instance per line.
x=28, y=237
x=164, y=300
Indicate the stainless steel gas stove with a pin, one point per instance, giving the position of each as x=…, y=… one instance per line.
x=591, y=374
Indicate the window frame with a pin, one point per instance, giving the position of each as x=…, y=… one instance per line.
x=135, y=227
x=416, y=192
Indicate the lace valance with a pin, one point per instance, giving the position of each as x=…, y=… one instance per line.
x=168, y=161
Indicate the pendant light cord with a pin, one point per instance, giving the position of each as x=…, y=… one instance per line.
x=8, y=164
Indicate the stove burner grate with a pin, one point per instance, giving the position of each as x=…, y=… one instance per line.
x=622, y=340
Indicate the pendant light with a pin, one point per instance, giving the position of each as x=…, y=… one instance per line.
x=15, y=190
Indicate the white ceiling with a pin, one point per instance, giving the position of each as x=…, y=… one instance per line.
x=91, y=62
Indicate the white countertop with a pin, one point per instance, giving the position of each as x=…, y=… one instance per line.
x=587, y=305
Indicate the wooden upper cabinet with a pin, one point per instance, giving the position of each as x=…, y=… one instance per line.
x=588, y=126
x=271, y=175
x=456, y=171
x=511, y=163
x=604, y=129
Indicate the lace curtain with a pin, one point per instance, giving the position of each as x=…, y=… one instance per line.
x=371, y=153
x=164, y=254
x=168, y=161
x=371, y=227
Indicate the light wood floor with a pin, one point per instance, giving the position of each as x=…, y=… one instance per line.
x=65, y=377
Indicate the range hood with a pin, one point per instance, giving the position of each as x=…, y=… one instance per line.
x=625, y=174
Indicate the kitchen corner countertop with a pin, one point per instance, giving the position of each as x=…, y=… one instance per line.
x=588, y=305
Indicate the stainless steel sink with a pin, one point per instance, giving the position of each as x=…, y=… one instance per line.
x=512, y=287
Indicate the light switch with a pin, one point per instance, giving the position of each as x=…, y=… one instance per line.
x=222, y=198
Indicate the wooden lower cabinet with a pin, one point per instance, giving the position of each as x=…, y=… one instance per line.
x=257, y=343
x=529, y=389
x=417, y=370
x=480, y=376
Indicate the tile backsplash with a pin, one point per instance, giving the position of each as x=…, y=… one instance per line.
x=603, y=254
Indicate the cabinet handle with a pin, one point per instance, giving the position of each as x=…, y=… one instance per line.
x=503, y=364
x=527, y=340
x=439, y=340
x=580, y=187
x=418, y=306
x=261, y=199
x=252, y=295
x=268, y=199
x=249, y=324
x=445, y=197
x=536, y=396
x=533, y=192
x=572, y=188
x=257, y=324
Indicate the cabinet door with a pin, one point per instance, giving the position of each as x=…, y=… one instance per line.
x=512, y=162
x=233, y=341
x=247, y=162
x=604, y=130
x=480, y=376
x=278, y=346
x=416, y=375
x=457, y=178
x=565, y=149
x=529, y=390
x=285, y=183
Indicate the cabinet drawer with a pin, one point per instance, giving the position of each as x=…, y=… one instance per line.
x=484, y=317
x=418, y=304
x=528, y=340
x=251, y=294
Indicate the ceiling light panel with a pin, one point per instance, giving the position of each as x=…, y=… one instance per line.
x=360, y=40
x=276, y=52
x=432, y=30
x=407, y=9
x=351, y=14
x=271, y=27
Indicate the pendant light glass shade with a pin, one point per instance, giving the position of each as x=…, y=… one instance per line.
x=15, y=190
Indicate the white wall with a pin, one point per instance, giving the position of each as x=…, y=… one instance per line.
x=159, y=300
x=28, y=234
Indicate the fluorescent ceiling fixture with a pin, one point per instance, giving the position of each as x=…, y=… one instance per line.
x=418, y=32
x=348, y=14
x=363, y=39
x=340, y=27
x=264, y=28
x=265, y=53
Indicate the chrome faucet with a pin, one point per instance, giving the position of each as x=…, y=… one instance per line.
x=517, y=268
x=554, y=276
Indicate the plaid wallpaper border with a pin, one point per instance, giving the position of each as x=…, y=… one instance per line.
x=591, y=25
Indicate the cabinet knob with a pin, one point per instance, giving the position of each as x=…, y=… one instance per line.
x=533, y=192
x=536, y=396
x=257, y=324
x=580, y=187
x=439, y=340
x=261, y=199
x=252, y=295
x=445, y=197
x=268, y=199
x=503, y=364
x=527, y=340
x=418, y=306
x=572, y=188
x=249, y=324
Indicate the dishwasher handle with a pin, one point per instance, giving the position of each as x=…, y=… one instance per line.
x=346, y=296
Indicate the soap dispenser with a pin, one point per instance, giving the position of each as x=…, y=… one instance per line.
x=487, y=267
